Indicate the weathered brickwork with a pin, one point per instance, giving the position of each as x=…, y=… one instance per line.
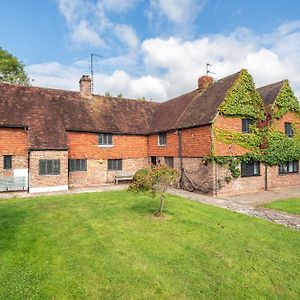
x=276, y=180
x=170, y=149
x=18, y=162
x=238, y=185
x=97, y=172
x=196, y=142
x=229, y=124
x=289, y=118
x=85, y=145
x=13, y=141
x=36, y=180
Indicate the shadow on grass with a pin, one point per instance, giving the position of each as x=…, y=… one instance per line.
x=11, y=219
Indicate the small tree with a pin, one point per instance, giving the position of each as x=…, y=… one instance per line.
x=153, y=181
x=11, y=69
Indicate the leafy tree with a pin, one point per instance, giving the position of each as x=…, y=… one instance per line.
x=11, y=69
x=154, y=180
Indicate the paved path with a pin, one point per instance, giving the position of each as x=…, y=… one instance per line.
x=244, y=205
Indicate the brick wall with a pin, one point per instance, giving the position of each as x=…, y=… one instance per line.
x=13, y=141
x=170, y=149
x=85, y=145
x=229, y=124
x=288, y=117
x=238, y=185
x=283, y=180
x=196, y=142
x=43, y=181
x=98, y=174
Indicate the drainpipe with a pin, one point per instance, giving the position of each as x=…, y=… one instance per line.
x=266, y=177
x=180, y=152
x=28, y=158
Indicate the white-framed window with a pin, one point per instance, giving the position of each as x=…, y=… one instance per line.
x=105, y=139
x=162, y=139
x=290, y=167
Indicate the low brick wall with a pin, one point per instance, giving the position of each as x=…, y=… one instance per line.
x=98, y=174
x=238, y=185
x=40, y=183
x=276, y=180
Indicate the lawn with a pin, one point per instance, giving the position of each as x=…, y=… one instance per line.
x=109, y=246
x=291, y=205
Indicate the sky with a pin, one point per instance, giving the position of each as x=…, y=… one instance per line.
x=155, y=49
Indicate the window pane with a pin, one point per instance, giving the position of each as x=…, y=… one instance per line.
x=7, y=162
x=246, y=125
x=250, y=169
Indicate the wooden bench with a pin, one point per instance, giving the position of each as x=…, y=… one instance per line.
x=11, y=183
x=122, y=175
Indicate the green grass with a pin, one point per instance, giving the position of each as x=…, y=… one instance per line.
x=109, y=246
x=291, y=205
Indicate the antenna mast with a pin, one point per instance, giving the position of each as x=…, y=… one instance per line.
x=207, y=69
x=92, y=70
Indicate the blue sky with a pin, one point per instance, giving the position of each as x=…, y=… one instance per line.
x=155, y=48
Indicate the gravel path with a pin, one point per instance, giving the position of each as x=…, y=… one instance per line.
x=244, y=207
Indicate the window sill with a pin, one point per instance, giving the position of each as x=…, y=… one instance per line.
x=105, y=146
x=77, y=171
x=287, y=173
x=165, y=145
x=246, y=176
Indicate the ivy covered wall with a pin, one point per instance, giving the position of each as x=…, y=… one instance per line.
x=265, y=142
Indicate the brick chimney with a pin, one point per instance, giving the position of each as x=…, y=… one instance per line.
x=204, y=82
x=85, y=84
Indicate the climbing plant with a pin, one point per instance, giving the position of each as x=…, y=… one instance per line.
x=264, y=143
x=281, y=149
x=242, y=99
x=285, y=101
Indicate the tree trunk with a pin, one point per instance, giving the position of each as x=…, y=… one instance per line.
x=159, y=213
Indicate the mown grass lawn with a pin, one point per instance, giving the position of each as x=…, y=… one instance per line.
x=291, y=205
x=109, y=246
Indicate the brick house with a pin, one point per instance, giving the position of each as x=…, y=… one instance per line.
x=58, y=139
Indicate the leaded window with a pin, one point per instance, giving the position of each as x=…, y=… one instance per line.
x=77, y=165
x=288, y=129
x=250, y=169
x=49, y=167
x=114, y=164
x=290, y=167
x=246, y=125
x=105, y=139
x=162, y=139
x=7, y=162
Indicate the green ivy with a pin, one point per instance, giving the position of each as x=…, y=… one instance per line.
x=285, y=101
x=242, y=99
x=251, y=141
x=281, y=149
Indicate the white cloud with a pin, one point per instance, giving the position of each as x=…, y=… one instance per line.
x=127, y=35
x=83, y=34
x=172, y=66
x=177, y=11
x=89, y=23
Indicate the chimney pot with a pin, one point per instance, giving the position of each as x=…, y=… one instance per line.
x=85, y=84
x=204, y=82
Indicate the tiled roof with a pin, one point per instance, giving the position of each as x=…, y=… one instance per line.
x=48, y=113
x=270, y=92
